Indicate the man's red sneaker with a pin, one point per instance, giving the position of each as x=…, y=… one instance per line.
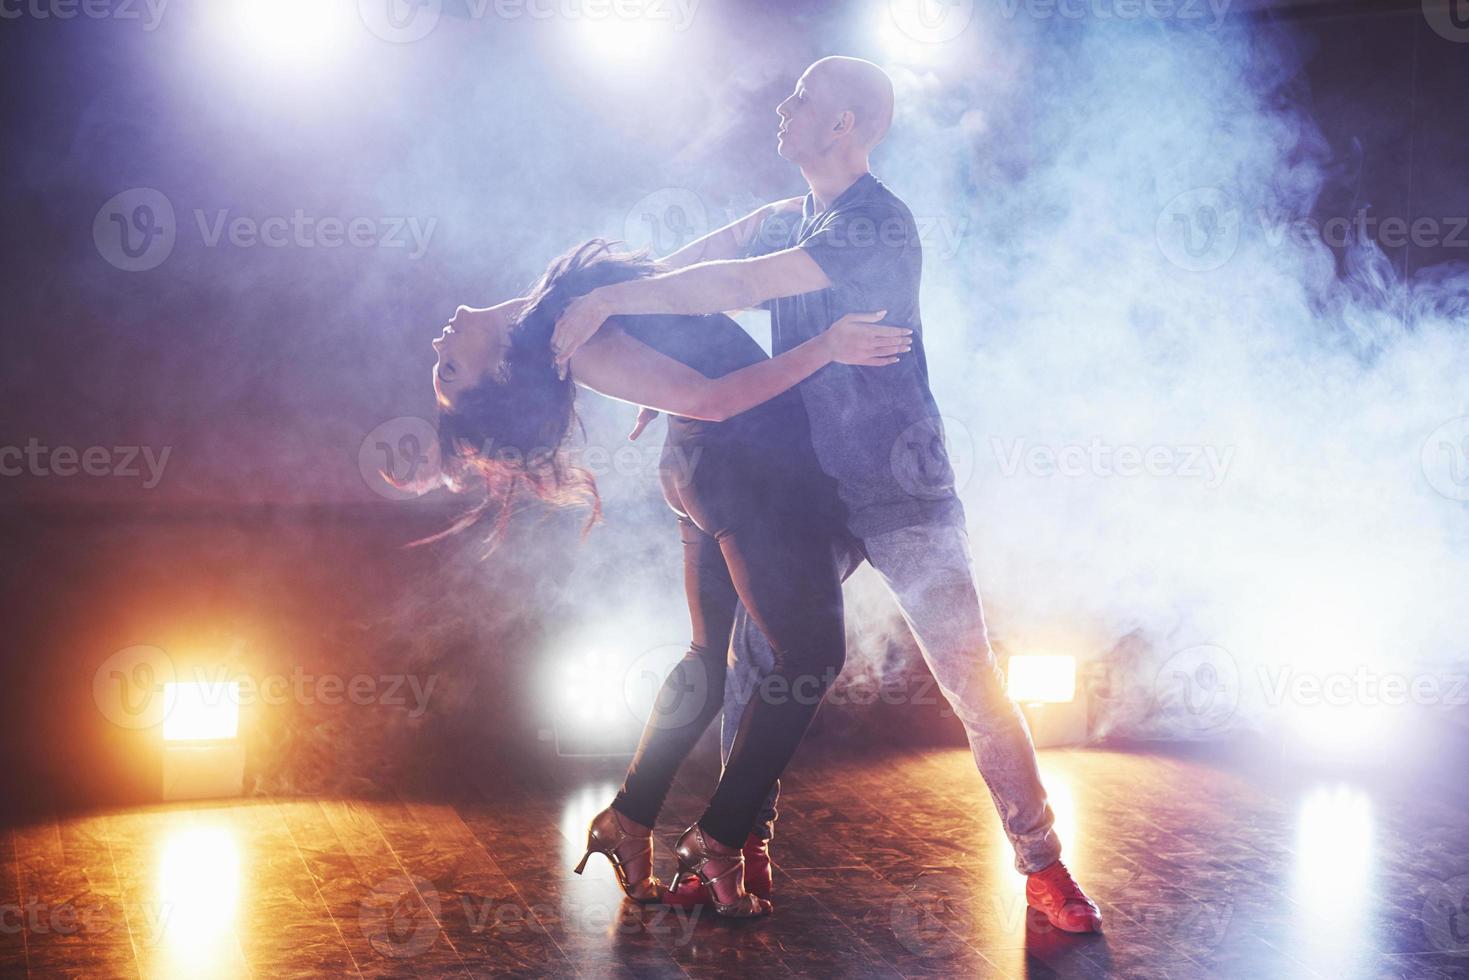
x=758, y=878
x=1053, y=892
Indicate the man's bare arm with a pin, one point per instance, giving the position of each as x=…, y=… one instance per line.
x=731, y=241
x=708, y=287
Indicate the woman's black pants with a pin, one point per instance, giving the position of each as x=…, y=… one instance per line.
x=749, y=534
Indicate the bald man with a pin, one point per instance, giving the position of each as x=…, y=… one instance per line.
x=852, y=246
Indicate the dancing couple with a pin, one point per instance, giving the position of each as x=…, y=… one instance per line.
x=799, y=477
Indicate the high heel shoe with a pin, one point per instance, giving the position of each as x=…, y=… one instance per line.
x=634, y=872
x=722, y=874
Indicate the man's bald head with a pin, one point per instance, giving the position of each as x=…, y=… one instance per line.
x=864, y=89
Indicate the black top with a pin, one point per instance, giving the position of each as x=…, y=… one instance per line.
x=714, y=345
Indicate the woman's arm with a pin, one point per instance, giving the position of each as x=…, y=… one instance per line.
x=729, y=242
x=707, y=287
x=619, y=366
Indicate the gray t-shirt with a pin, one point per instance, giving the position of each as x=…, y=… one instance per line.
x=876, y=430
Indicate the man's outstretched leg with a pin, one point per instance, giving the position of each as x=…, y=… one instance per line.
x=929, y=571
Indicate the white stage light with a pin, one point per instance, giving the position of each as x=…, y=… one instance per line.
x=1045, y=688
x=296, y=33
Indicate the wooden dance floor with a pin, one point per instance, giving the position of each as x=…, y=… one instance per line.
x=889, y=865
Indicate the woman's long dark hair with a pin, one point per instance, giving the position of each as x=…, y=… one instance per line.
x=509, y=431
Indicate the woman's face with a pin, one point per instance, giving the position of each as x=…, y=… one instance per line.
x=472, y=346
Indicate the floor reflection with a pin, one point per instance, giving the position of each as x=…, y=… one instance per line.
x=193, y=915
x=886, y=866
x=1332, y=878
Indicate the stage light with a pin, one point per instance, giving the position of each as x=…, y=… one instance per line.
x=590, y=717
x=922, y=32
x=1044, y=685
x=295, y=32
x=194, y=711
x=1041, y=679
x=624, y=40
x=202, y=754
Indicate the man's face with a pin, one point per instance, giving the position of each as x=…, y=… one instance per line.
x=806, y=121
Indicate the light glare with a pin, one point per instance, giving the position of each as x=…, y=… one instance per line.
x=196, y=711
x=1041, y=679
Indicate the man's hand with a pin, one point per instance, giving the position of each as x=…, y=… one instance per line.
x=582, y=318
x=645, y=418
x=859, y=339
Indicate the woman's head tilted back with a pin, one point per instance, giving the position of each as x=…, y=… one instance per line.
x=504, y=413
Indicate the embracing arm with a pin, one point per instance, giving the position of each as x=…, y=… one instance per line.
x=708, y=287
x=624, y=368
x=730, y=241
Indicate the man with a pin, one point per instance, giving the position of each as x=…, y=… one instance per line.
x=876, y=431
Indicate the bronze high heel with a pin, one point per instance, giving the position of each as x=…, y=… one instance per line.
x=696, y=858
x=605, y=836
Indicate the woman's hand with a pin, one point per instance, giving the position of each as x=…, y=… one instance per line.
x=645, y=417
x=582, y=318
x=858, y=338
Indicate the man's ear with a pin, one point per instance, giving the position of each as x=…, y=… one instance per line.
x=844, y=123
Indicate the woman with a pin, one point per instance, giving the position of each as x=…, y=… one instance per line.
x=755, y=513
